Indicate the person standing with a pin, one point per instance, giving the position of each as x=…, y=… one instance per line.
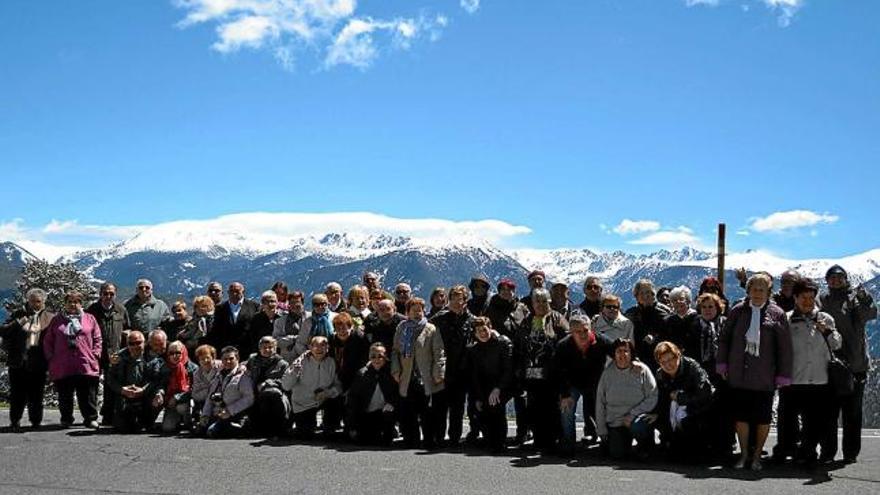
x=115, y=324
x=851, y=309
x=145, y=312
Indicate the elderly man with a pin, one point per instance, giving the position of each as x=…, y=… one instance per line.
x=115, y=324
x=145, y=311
x=232, y=319
x=381, y=325
x=592, y=304
x=559, y=299
x=320, y=323
x=130, y=379
x=402, y=294
x=157, y=346
x=371, y=281
x=536, y=280
x=333, y=291
x=851, y=309
x=27, y=367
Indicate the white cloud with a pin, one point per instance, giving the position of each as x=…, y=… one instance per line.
x=786, y=220
x=786, y=8
x=667, y=238
x=285, y=27
x=74, y=229
x=470, y=6
x=627, y=226
x=743, y=232
x=709, y=3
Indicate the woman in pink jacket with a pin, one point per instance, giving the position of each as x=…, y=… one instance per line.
x=73, y=348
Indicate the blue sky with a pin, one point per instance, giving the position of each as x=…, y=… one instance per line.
x=564, y=117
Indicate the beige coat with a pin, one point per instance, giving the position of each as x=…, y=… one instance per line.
x=428, y=357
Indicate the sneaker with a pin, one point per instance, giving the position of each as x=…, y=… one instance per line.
x=91, y=424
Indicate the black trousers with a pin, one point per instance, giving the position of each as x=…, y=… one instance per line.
x=26, y=387
x=542, y=409
x=306, y=422
x=805, y=421
x=453, y=407
x=133, y=415
x=849, y=409
x=108, y=402
x=372, y=428
x=493, y=423
x=86, y=389
x=270, y=415
x=420, y=413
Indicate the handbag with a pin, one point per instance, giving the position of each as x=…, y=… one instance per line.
x=840, y=376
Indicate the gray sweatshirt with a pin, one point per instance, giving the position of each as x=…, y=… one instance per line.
x=810, y=355
x=305, y=376
x=631, y=391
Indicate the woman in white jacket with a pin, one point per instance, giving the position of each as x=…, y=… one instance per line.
x=314, y=386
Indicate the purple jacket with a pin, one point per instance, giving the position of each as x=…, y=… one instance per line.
x=81, y=359
x=774, y=365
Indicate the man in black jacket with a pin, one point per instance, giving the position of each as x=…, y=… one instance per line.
x=649, y=319
x=372, y=400
x=592, y=304
x=115, y=324
x=490, y=367
x=232, y=319
x=479, y=301
x=271, y=410
x=579, y=361
x=455, y=325
x=381, y=325
x=133, y=382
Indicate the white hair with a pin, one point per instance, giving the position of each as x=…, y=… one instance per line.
x=35, y=292
x=680, y=292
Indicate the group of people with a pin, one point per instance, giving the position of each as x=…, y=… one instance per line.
x=378, y=365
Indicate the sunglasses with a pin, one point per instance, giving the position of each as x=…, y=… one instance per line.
x=611, y=306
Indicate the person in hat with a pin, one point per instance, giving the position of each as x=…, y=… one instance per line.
x=479, y=301
x=851, y=309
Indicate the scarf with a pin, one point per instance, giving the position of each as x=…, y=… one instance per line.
x=179, y=381
x=321, y=325
x=32, y=329
x=73, y=328
x=411, y=328
x=753, y=335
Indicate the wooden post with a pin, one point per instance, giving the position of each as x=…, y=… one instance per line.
x=722, y=230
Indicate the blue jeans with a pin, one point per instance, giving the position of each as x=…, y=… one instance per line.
x=620, y=438
x=567, y=416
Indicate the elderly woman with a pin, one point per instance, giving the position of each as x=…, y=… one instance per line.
x=174, y=394
x=684, y=399
x=418, y=365
x=209, y=367
x=489, y=361
x=271, y=410
x=22, y=337
x=534, y=347
x=677, y=325
x=199, y=326
x=702, y=347
x=648, y=317
x=610, y=322
x=230, y=396
x=755, y=356
x=72, y=346
x=314, y=386
x=320, y=323
x=625, y=397
x=808, y=401
x=372, y=401
x=358, y=305
x=349, y=348
x=337, y=303
x=287, y=329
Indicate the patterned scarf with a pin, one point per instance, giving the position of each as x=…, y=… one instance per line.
x=321, y=325
x=411, y=328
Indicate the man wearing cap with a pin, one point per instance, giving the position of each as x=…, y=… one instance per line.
x=536, y=281
x=851, y=310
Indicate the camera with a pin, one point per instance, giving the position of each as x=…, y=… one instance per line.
x=217, y=399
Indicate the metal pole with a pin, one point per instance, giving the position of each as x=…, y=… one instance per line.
x=722, y=230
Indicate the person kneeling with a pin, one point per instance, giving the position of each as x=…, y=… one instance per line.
x=269, y=416
x=314, y=386
x=231, y=395
x=626, y=395
x=175, y=379
x=370, y=405
x=129, y=379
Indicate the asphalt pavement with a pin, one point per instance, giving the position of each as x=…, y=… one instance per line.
x=73, y=461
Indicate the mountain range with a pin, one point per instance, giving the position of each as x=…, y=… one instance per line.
x=181, y=260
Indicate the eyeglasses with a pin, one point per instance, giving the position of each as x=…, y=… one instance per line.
x=594, y=287
x=319, y=304
x=611, y=306
x=144, y=287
